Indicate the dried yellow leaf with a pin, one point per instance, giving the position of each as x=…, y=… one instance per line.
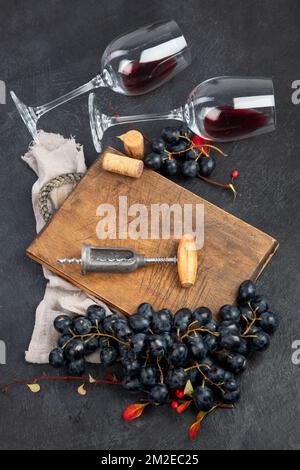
x=91, y=379
x=81, y=390
x=189, y=389
x=34, y=388
x=230, y=186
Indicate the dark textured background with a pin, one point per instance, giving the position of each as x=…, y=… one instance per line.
x=48, y=47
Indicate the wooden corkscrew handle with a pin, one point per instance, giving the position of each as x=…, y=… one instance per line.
x=187, y=261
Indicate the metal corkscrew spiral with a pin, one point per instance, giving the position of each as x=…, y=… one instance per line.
x=70, y=261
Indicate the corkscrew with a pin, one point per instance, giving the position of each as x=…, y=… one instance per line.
x=99, y=259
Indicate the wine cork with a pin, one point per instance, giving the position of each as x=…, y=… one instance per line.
x=122, y=165
x=134, y=144
x=187, y=261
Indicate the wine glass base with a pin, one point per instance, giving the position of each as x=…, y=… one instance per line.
x=99, y=122
x=27, y=114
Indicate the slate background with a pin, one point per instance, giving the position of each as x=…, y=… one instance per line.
x=49, y=47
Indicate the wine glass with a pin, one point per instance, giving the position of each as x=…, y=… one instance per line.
x=221, y=109
x=133, y=64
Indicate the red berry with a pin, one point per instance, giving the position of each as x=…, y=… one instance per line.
x=174, y=405
x=235, y=174
x=179, y=393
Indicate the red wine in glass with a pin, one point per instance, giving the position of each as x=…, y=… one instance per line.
x=229, y=123
x=138, y=77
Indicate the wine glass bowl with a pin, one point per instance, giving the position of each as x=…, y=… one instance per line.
x=221, y=109
x=224, y=109
x=141, y=61
x=133, y=64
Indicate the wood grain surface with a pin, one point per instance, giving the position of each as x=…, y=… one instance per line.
x=233, y=250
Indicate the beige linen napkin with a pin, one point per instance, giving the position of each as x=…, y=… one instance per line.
x=51, y=156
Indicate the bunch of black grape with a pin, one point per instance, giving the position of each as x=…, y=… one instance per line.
x=178, y=151
x=160, y=353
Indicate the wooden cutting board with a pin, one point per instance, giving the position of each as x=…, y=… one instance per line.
x=233, y=250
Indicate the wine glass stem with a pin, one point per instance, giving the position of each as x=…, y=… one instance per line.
x=91, y=85
x=175, y=114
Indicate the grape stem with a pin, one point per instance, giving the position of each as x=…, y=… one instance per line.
x=160, y=371
x=205, y=378
x=94, y=335
x=210, y=381
x=48, y=378
x=244, y=335
x=146, y=358
x=196, y=367
x=199, y=329
x=193, y=146
x=219, y=185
